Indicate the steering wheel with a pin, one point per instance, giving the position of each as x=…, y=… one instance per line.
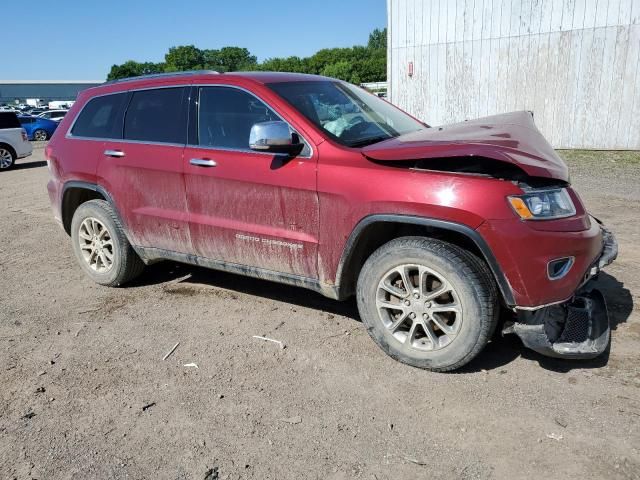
x=356, y=126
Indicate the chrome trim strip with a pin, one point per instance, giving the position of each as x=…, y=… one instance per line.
x=564, y=270
x=248, y=150
x=69, y=136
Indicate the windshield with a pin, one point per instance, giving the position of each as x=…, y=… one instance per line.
x=350, y=115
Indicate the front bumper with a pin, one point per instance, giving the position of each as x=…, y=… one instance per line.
x=577, y=328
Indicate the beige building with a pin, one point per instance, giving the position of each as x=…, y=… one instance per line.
x=574, y=63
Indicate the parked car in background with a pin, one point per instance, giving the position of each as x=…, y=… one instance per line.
x=38, y=129
x=61, y=104
x=313, y=182
x=55, y=115
x=37, y=111
x=14, y=143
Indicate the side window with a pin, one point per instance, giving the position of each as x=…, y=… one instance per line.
x=157, y=115
x=226, y=115
x=9, y=120
x=101, y=117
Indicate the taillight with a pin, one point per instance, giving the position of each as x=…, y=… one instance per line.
x=24, y=135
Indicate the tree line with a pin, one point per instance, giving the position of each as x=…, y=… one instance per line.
x=355, y=64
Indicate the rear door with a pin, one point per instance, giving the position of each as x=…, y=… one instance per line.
x=247, y=207
x=143, y=171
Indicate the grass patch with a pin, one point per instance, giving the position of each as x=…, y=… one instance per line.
x=601, y=157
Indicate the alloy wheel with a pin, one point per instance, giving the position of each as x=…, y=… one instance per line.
x=96, y=245
x=40, y=135
x=6, y=159
x=419, y=308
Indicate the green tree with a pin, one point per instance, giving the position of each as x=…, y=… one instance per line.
x=288, y=64
x=182, y=58
x=342, y=70
x=378, y=39
x=355, y=64
x=230, y=59
x=132, y=68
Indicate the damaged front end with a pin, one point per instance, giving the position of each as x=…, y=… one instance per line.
x=575, y=329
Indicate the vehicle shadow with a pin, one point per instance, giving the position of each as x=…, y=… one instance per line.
x=23, y=166
x=499, y=352
x=169, y=271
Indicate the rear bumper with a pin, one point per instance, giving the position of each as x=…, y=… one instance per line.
x=24, y=149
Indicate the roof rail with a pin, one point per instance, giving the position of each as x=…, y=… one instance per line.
x=161, y=75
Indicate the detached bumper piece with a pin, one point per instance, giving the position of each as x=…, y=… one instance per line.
x=577, y=329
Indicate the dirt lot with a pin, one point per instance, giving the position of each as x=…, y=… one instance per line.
x=85, y=392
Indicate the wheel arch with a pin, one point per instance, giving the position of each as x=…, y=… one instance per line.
x=375, y=230
x=10, y=148
x=75, y=193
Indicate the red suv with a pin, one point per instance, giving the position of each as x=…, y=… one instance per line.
x=314, y=182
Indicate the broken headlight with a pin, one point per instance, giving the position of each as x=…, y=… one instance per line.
x=543, y=204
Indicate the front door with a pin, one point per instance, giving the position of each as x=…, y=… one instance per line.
x=246, y=207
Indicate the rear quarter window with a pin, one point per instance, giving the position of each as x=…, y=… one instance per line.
x=101, y=117
x=9, y=120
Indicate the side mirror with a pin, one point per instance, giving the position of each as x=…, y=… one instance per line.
x=275, y=137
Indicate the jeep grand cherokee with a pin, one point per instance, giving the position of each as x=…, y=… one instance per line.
x=312, y=182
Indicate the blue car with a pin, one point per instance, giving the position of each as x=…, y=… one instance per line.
x=38, y=129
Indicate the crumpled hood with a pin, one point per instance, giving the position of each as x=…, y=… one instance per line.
x=509, y=137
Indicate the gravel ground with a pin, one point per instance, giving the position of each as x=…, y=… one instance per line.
x=86, y=393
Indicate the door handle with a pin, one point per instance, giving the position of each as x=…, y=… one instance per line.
x=203, y=162
x=114, y=153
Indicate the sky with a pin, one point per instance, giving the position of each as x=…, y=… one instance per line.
x=80, y=39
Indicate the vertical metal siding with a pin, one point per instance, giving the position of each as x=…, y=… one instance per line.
x=574, y=63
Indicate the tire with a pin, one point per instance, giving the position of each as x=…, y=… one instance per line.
x=7, y=157
x=107, y=258
x=40, y=135
x=446, y=331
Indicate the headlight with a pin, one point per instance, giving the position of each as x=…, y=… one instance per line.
x=543, y=204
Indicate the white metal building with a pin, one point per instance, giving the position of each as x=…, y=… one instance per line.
x=574, y=63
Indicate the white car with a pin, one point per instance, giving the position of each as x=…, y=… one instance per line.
x=14, y=143
x=55, y=115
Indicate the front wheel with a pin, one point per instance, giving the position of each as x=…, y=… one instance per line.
x=427, y=303
x=100, y=245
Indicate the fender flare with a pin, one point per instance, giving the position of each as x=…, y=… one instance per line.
x=470, y=233
x=95, y=188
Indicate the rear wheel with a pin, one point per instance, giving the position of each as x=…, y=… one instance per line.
x=427, y=303
x=101, y=247
x=7, y=158
x=40, y=135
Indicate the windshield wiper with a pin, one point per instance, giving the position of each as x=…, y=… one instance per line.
x=370, y=141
